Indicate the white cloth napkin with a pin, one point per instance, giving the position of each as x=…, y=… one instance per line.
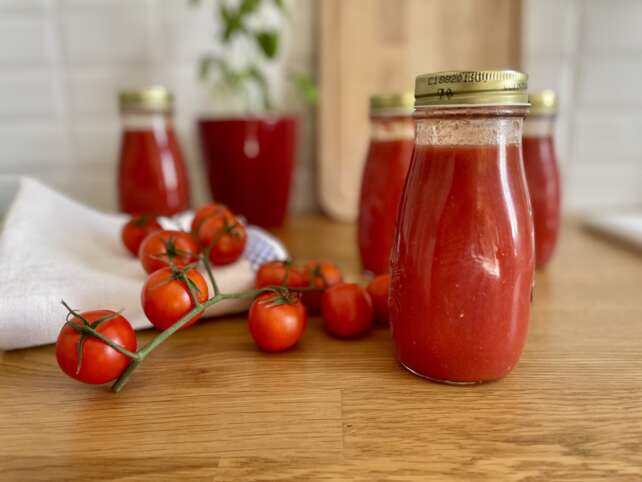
x=53, y=248
x=626, y=226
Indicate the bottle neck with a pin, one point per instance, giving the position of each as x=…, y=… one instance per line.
x=136, y=121
x=470, y=126
x=539, y=126
x=391, y=128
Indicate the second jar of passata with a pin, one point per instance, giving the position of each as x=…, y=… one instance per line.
x=392, y=133
x=542, y=173
x=152, y=176
x=463, y=259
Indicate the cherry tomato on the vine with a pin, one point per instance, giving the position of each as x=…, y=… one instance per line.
x=347, y=310
x=166, y=298
x=160, y=247
x=136, y=230
x=273, y=273
x=99, y=362
x=224, y=237
x=205, y=212
x=276, y=323
x=319, y=274
x=378, y=289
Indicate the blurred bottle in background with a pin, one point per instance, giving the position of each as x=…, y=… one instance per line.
x=542, y=173
x=392, y=131
x=152, y=176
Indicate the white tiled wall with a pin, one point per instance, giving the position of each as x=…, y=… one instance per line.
x=591, y=52
x=62, y=63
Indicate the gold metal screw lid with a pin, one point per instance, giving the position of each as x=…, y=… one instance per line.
x=150, y=99
x=471, y=87
x=392, y=103
x=544, y=102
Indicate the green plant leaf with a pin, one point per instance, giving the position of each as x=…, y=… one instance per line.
x=249, y=6
x=232, y=22
x=268, y=42
x=207, y=62
x=305, y=86
x=255, y=74
x=204, y=64
x=233, y=19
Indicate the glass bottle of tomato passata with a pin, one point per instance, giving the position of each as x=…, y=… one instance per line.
x=392, y=133
x=463, y=260
x=152, y=177
x=542, y=173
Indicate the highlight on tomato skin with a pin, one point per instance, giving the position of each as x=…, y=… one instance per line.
x=100, y=363
x=161, y=247
x=165, y=297
x=277, y=323
x=378, y=290
x=136, y=230
x=347, y=310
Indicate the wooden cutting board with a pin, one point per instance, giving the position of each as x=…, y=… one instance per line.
x=378, y=46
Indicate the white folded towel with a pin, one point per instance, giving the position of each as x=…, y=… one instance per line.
x=625, y=226
x=52, y=247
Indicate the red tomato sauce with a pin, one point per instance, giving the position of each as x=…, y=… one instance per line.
x=544, y=187
x=383, y=179
x=251, y=164
x=152, y=174
x=462, y=266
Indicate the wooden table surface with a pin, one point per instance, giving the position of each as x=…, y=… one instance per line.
x=208, y=406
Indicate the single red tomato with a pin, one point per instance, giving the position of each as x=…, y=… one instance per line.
x=160, y=247
x=205, y=212
x=100, y=363
x=277, y=323
x=136, y=230
x=378, y=289
x=319, y=274
x=347, y=310
x=224, y=237
x=166, y=299
x=273, y=273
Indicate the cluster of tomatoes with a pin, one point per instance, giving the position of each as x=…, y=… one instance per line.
x=348, y=310
x=285, y=292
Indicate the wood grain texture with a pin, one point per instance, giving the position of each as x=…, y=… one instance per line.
x=380, y=46
x=208, y=406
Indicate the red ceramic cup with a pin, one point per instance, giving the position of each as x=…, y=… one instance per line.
x=250, y=161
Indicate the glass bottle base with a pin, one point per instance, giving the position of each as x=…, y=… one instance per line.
x=443, y=382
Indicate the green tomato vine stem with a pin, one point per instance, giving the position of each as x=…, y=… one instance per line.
x=142, y=353
x=86, y=329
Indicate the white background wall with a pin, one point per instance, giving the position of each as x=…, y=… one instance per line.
x=591, y=52
x=62, y=63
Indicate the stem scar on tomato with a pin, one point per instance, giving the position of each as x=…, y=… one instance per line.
x=181, y=275
x=171, y=251
x=283, y=296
